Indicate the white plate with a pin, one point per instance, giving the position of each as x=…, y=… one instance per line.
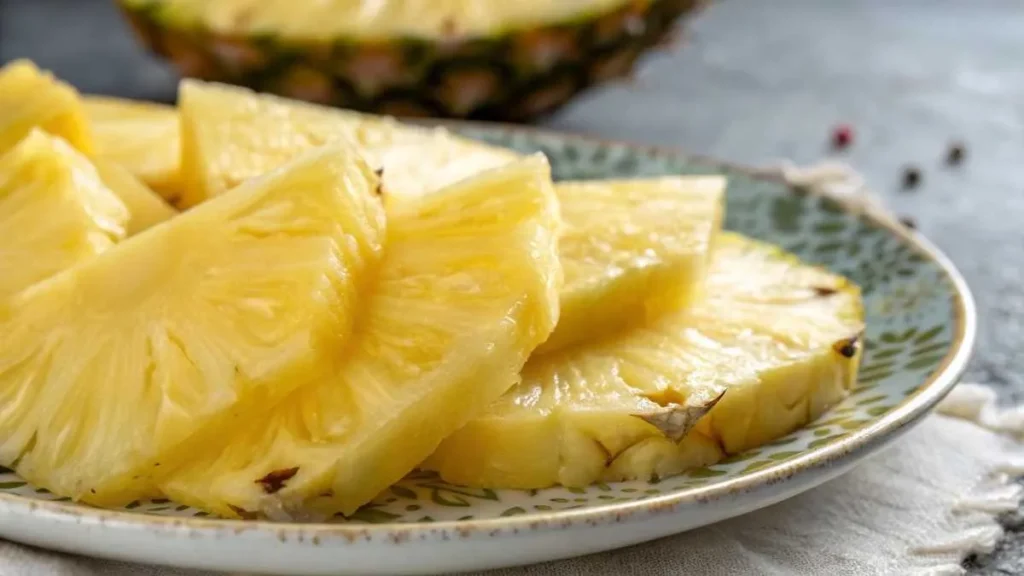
x=921, y=325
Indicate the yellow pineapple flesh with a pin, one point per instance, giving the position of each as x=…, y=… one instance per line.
x=55, y=212
x=771, y=345
x=468, y=288
x=147, y=209
x=128, y=363
x=230, y=134
x=142, y=137
x=31, y=98
x=632, y=250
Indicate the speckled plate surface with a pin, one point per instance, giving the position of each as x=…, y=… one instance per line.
x=920, y=329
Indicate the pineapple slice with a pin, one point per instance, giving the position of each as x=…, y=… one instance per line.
x=54, y=211
x=141, y=136
x=632, y=250
x=771, y=345
x=134, y=360
x=468, y=288
x=230, y=134
x=146, y=208
x=30, y=98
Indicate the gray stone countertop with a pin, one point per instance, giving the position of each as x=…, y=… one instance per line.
x=756, y=81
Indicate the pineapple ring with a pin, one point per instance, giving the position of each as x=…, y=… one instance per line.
x=467, y=290
x=637, y=247
x=771, y=345
x=121, y=367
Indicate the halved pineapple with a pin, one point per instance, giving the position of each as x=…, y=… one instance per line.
x=632, y=250
x=136, y=359
x=230, y=134
x=146, y=208
x=142, y=137
x=771, y=345
x=468, y=289
x=30, y=98
x=54, y=212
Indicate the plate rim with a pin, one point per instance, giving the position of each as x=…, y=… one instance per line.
x=857, y=444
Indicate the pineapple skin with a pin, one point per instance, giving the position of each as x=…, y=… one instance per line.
x=299, y=246
x=142, y=137
x=31, y=98
x=444, y=337
x=55, y=211
x=595, y=439
x=516, y=73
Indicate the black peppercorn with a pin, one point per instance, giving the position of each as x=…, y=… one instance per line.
x=955, y=153
x=911, y=177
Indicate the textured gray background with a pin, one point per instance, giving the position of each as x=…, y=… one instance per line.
x=755, y=81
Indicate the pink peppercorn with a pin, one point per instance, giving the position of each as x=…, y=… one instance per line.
x=842, y=136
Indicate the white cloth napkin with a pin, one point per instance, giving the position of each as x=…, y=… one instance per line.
x=920, y=507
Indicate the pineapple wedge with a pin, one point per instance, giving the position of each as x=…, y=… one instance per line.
x=469, y=286
x=654, y=233
x=142, y=137
x=30, y=98
x=230, y=134
x=54, y=211
x=133, y=361
x=770, y=346
x=146, y=208
x=632, y=250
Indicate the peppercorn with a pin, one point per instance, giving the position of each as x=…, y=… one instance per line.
x=842, y=136
x=911, y=177
x=955, y=153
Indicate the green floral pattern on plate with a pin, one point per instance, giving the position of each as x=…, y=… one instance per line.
x=909, y=303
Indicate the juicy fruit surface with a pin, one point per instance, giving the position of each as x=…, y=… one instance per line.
x=143, y=138
x=231, y=134
x=632, y=250
x=426, y=58
x=116, y=369
x=30, y=98
x=376, y=20
x=467, y=290
x=54, y=212
x=146, y=208
x=770, y=346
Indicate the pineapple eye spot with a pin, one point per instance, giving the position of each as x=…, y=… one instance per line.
x=824, y=291
x=275, y=481
x=847, y=347
x=243, y=513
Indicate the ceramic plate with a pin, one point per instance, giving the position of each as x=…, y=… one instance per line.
x=920, y=328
